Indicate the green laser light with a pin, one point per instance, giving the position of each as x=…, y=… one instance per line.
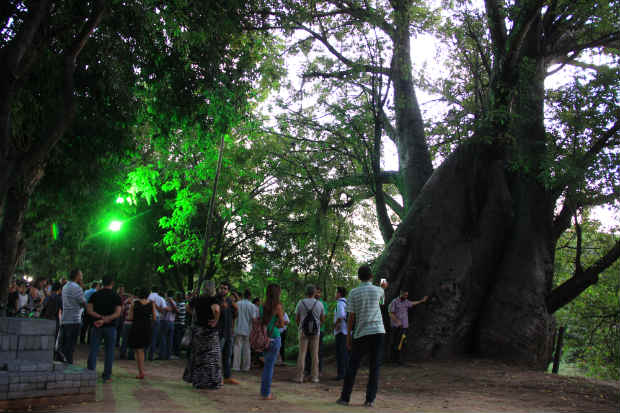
x=115, y=226
x=120, y=200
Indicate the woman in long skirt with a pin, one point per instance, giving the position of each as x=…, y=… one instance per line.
x=204, y=365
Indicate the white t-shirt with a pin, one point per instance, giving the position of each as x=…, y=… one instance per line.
x=159, y=302
x=246, y=312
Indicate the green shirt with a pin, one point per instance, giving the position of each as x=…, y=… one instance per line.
x=272, y=330
x=364, y=301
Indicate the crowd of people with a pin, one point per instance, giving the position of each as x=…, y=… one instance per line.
x=215, y=329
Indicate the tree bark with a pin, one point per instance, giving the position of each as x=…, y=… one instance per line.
x=448, y=247
x=413, y=155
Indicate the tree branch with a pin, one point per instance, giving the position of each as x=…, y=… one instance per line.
x=395, y=206
x=581, y=280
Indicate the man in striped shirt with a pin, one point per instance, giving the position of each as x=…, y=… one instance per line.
x=72, y=302
x=366, y=323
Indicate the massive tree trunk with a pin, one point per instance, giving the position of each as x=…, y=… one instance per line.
x=479, y=237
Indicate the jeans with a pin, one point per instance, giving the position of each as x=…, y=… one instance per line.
x=242, y=358
x=164, y=339
x=396, y=334
x=373, y=345
x=179, y=331
x=69, y=338
x=308, y=345
x=124, y=341
x=271, y=355
x=226, y=347
x=108, y=334
x=155, y=340
x=342, y=355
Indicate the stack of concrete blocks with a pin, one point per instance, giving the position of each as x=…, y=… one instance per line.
x=28, y=374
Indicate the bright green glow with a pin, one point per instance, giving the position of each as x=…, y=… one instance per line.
x=120, y=200
x=128, y=199
x=54, y=231
x=115, y=226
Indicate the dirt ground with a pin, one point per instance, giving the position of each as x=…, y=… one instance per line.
x=446, y=386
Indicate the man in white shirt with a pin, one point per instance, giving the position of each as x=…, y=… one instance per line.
x=158, y=342
x=241, y=348
x=340, y=332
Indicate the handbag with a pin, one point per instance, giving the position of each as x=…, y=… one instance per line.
x=186, y=341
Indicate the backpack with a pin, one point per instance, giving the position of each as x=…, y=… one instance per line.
x=309, y=326
x=259, y=336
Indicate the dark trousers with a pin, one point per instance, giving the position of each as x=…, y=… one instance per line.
x=155, y=340
x=283, y=341
x=226, y=344
x=396, y=334
x=373, y=346
x=107, y=334
x=87, y=322
x=164, y=340
x=69, y=337
x=179, y=331
x=342, y=355
x=308, y=366
x=125, y=341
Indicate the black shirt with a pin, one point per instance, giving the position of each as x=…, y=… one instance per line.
x=202, y=306
x=227, y=314
x=105, y=301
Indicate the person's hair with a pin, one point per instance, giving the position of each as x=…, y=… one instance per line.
x=247, y=294
x=20, y=283
x=226, y=283
x=142, y=293
x=342, y=291
x=403, y=290
x=56, y=286
x=272, y=300
x=74, y=274
x=180, y=295
x=310, y=290
x=364, y=273
x=255, y=301
x=208, y=288
x=107, y=280
x=94, y=284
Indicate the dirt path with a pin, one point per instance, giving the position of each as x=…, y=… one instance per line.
x=455, y=386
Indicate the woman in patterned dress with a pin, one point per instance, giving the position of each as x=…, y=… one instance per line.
x=204, y=365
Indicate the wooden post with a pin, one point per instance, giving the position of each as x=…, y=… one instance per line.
x=558, y=350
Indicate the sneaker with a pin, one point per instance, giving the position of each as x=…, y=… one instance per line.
x=315, y=380
x=174, y=358
x=369, y=404
x=342, y=402
x=231, y=381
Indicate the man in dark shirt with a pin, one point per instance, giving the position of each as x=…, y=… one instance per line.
x=228, y=311
x=104, y=307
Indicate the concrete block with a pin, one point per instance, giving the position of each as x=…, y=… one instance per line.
x=3, y=396
x=4, y=325
x=58, y=366
x=90, y=389
x=75, y=384
x=4, y=388
x=14, y=378
x=4, y=342
x=19, y=387
x=30, y=327
x=7, y=355
x=36, y=355
x=4, y=377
